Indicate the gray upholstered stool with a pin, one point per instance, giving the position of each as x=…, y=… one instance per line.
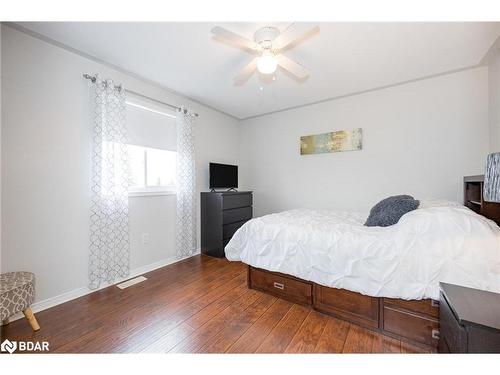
x=17, y=291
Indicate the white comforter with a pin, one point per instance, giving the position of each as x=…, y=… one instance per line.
x=407, y=260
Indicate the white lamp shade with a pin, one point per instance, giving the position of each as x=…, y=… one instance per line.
x=266, y=64
x=492, y=178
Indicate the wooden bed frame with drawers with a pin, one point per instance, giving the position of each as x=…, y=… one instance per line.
x=414, y=321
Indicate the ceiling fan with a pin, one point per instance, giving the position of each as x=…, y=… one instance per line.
x=268, y=47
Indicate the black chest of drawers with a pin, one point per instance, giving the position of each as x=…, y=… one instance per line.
x=222, y=214
x=469, y=320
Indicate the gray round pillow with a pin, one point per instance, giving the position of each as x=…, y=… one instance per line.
x=388, y=211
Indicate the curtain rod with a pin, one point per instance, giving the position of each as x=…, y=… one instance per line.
x=92, y=78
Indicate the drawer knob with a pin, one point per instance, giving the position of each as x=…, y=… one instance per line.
x=434, y=303
x=279, y=286
x=435, y=334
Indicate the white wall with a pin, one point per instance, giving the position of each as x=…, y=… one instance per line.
x=419, y=138
x=494, y=97
x=46, y=165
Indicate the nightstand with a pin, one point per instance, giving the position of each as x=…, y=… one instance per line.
x=469, y=320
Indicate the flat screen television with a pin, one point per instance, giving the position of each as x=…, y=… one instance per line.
x=223, y=176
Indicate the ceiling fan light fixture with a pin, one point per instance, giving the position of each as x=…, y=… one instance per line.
x=268, y=44
x=266, y=64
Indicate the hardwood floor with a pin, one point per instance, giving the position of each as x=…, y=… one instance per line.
x=199, y=305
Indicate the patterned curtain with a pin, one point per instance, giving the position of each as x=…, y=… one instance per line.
x=186, y=185
x=109, y=217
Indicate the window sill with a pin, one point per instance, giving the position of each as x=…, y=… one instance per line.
x=149, y=193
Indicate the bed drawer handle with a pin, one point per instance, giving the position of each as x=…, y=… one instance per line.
x=435, y=334
x=279, y=286
x=434, y=303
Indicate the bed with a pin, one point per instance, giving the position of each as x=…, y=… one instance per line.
x=382, y=278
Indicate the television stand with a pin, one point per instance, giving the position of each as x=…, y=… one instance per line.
x=230, y=189
x=222, y=214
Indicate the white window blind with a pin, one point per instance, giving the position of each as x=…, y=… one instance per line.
x=152, y=146
x=150, y=124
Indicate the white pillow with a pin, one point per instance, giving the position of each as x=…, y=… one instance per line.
x=429, y=203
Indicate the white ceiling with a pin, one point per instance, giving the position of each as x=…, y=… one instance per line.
x=344, y=58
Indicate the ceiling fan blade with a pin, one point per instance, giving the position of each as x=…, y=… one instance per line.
x=293, y=67
x=294, y=34
x=235, y=39
x=246, y=72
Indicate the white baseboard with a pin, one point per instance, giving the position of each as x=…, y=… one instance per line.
x=76, y=293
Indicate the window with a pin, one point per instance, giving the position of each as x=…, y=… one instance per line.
x=152, y=147
x=152, y=170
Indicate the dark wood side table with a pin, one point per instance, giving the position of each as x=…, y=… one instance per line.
x=469, y=320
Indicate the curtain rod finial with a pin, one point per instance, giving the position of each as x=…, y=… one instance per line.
x=89, y=77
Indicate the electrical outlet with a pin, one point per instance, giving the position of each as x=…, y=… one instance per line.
x=145, y=238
